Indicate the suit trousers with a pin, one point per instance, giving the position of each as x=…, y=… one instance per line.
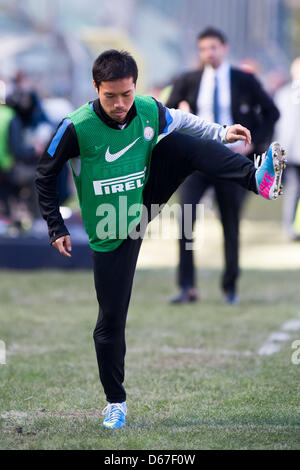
x=229, y=198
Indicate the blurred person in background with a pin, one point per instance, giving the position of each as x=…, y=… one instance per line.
x=17, y=162
x=26, y=147
x=223, y=94
x=36, y=126
x=288, y=101
x=23, y=97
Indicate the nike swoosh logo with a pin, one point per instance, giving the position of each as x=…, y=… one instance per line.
x=111, y=157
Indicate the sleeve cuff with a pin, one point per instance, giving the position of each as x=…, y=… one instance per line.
x=223, y=134
x=55, y=234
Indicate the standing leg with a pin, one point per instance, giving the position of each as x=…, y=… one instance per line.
x=113, y=275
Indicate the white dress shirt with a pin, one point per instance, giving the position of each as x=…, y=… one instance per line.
x=206, y=94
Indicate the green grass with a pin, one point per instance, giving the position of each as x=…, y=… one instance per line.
x=193, y=375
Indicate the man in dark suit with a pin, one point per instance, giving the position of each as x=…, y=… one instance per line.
x=223, y=94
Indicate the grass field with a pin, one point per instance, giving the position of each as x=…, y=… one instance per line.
x=195, y=375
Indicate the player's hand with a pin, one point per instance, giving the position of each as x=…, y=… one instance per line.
x=238, y=132
x=63, y=245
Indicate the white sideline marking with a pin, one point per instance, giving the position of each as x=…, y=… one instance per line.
x=206, y=352
x=268, y=349
x=291, y=325
x=18, y=349
x=15, y=415
x=277, y=338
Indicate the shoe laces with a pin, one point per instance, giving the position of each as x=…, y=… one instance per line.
x=259, y=160
x=114, y=411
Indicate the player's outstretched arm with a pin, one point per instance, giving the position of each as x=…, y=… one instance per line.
x=63, y=245
x=182, y=120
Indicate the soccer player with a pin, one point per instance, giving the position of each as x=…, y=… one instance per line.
x=126, y=146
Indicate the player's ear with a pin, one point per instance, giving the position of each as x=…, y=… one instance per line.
x=95, y=86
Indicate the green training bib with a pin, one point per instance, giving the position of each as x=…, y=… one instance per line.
x=115, y=166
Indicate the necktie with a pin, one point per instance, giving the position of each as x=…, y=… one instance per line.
x=216, y=101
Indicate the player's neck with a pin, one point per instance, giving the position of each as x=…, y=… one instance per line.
x=112, y=122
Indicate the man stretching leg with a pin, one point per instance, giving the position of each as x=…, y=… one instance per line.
x=126, y=146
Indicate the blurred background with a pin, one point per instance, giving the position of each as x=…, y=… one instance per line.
x=55, y=42
x=47, y=50
x=228, y=368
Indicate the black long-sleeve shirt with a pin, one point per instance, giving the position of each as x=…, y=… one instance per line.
x=62, y=147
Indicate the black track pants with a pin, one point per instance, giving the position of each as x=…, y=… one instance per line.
x=173, y=159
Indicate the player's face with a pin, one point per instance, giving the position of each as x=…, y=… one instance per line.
x=212, y=51
x=117, y=97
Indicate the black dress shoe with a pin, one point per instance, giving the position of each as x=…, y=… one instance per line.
x=184, y=297
x=231, y=298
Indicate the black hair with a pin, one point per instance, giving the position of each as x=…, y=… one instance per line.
x=211, y=32
x=114, y=65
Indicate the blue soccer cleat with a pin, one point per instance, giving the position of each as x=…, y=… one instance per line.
x=114, y=415
x=269, y=172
